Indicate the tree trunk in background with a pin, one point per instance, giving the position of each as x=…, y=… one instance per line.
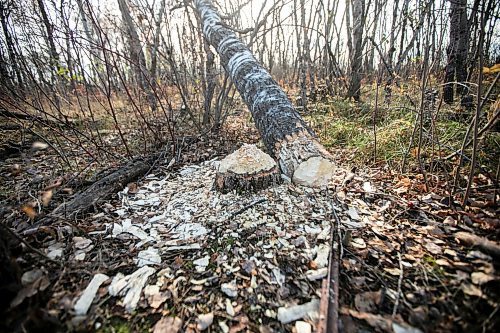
x=371, y=54
x=303, y=59
x=456, y=69
x=286, y=136
x=403, y=53
x=10, y=50
x=156, y=44
x=54, y=56
x=209, y=84
x=356, y=52
x=89, y=33
x=5, y=80
x=137, y=54
x=392, y=39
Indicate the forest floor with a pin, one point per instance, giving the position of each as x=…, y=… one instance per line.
x=169, y=254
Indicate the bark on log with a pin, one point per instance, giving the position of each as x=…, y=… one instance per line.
x=286, y=136
x=247, y=169
x=485, y=245
x=10, y=277
x=26, y=116
x=98, y=191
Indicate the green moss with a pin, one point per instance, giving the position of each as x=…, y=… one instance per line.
x=122, y=325
x=116, y=325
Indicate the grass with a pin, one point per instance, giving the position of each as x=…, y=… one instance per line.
x=341, y=123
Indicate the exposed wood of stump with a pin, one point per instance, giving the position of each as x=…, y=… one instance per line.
x=247, y=169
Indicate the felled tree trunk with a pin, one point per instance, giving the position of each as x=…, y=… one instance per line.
x=286, y=136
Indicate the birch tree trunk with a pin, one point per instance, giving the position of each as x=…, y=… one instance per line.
x=286, y=136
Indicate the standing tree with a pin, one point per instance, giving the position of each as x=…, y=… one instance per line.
x=137, y=54
x=286, y=136
x=54, y=56
x=13, y=61
x=456, y=69
x=356, y=46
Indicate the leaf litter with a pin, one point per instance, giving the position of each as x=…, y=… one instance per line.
x=175, y=248
x=222, y=260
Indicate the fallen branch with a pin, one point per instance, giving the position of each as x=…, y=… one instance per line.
x=26, y=116
x=329, y=305
x=246, y=207
x=490, y=247
x=101, y=189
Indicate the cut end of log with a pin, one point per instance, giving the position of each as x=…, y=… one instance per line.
x=247, y=169
x=315, y=172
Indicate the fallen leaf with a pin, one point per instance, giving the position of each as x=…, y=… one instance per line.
x=37, y=145
x=471, y=290
x=368, y=301
x=46, y=197
x=241, y=325
x=393, y=271
x=205, y=320
x=29, y=211
x=481, y=278
x=168, y=325
x=433, y=248
x=133, y=188
x=358, y=243
x=443, y=262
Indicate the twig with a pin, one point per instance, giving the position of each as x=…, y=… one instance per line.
x=375, y=119
x=466, y=143
x=484, y=244
x=489, y=318
x=478, y=114
x=31, y=248
x=400, y=282
x=250, y=205
x=333, y=300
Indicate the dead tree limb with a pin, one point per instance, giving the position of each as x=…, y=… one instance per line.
x=26, y=116
x=104, y=187
x=485, y=245
x=286, y=136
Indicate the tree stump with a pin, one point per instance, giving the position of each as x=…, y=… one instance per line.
x=247, y=169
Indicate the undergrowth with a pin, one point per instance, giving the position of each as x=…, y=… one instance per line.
x=345, y=124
